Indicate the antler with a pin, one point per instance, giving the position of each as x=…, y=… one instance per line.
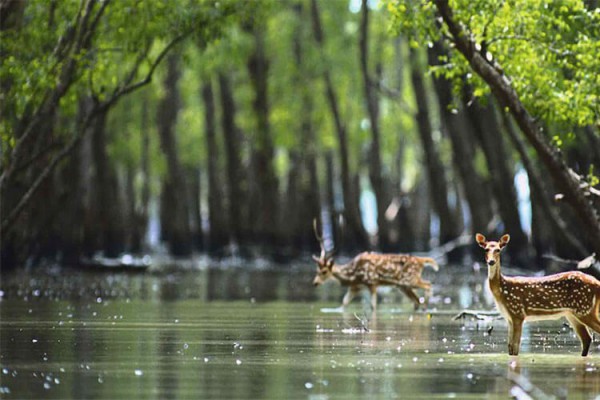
x=324, y=253
x=320, y=239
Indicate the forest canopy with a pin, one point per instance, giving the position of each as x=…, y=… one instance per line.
x=229, y=126
x=548, y=49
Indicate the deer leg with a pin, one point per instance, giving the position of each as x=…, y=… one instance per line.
x=515, y=328
x=373, y=290
x=583, y=334
x=425, y=285
x=591, y=320
x=349, y=296
x=411, y=295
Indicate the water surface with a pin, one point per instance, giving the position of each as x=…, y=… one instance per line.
x=261, y=333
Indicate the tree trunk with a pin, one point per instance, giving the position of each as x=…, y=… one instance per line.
x=552, y=159
x=195, y=217
x=420, y=215
x=593, y=141
x=174, y=201
x=266, y=228
x=308, y=182
x=371, y=101
x=11, y=14
x=436, y=172
x=330, y=197
x=541, y=199
x=70, y=219
x=463, y=150
x=235, y=178
x=107, y=226
x=216, y=205
x=355, y=234
x=292, y=221
x=142, y=215
x=486, y=125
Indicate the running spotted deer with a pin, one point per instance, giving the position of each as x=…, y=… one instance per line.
x=573, y=295
x=370, y=270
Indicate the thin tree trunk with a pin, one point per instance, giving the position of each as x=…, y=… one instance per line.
x=235, y=177
x=539, y=191
x=355, y=234
x=485, y=123
x=73, y=211
x=375, y=166
x=308, y=181
x=401, y=233
x=143, y=214
x=216, y=206
x=174, y=199
x=292, y=221
x=420, y=214
x=463, y=150
x=195, y=217
x=108, y=219
x=436, y=172
x=330, y=198
x=266, y=227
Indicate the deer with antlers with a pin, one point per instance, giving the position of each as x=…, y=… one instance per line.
x=573, y=295
x=371, y=270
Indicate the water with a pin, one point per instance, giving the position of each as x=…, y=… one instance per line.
x=261, y=333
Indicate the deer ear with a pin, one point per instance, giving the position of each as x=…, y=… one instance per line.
x=481, y=240
x=317, y=259
x=504, y=240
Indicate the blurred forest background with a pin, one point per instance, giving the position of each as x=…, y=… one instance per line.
x=226, y=127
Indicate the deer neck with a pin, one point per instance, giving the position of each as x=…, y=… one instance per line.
x=494, y=275
x=341, y=272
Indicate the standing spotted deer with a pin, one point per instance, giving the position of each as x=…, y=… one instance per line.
x=370, y=270
x=573, y=295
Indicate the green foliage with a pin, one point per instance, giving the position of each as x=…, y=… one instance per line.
x=123, y=45
x=548, y=50
x=592, y=178
x=132, y=34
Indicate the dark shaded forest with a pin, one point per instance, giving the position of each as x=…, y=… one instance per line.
x=227, y=127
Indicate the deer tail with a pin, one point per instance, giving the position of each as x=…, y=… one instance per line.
x=431, y=262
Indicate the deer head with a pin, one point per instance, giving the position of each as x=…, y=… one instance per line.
x=492, y=249
x=324, y=260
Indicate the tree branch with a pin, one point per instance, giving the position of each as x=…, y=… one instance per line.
x=489, y=71
x=8, y=222
x=128, y=88
x=51, y=99
x=583, y=184
x=391, y=93
x=535, y=181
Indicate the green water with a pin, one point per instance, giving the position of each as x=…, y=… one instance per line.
x=263, y=334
